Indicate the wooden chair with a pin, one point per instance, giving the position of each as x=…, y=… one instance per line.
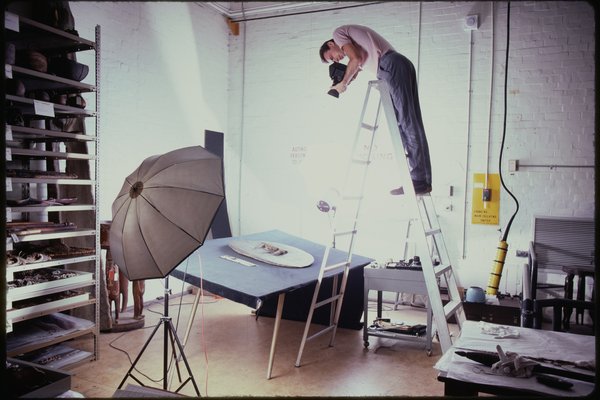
x=560, y=245
x=559, y=306
x=560, y=242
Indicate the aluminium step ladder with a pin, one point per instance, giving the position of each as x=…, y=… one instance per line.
x=351, y=195
x=435, y=266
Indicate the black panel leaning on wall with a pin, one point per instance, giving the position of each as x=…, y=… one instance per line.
x=220, y=228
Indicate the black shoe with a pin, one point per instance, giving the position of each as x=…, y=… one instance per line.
x=421, y=187
x=397, y=191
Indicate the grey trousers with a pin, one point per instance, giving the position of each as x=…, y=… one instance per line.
x=399, y=73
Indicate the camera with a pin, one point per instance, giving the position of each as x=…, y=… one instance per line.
x=336, y=73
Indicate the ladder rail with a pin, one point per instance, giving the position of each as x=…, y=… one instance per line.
x=436, y=247
x=447, y=272
x=369, y=156
x=336, y=299
x=313, y=303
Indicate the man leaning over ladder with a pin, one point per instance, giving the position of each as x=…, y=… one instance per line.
x=365, y=48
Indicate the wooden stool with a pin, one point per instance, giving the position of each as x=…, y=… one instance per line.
x=582, y=273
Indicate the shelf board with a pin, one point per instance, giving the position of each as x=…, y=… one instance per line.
x=53, y=181
x=26, y=132
x=50, y=154
x=39, y=345
x=80, y=280
x=35, y=80
x=33, y=34
x=56, y=208
x=55, y=235
x=80, y=362
x=397, y=336
x=10, y=270
x=60, y=111
x=39, y=310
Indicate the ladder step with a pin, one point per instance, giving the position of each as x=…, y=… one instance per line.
x=431, y=232
x=441, y=269
x=369, y=127
x=451, y=307
x=344, y=233
x=322, y=331
x=336, y=266
x=329, y=300
x=360, y=162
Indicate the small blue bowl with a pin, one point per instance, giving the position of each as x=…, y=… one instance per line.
x=475, y=294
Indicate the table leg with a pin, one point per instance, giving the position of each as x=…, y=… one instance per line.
x=580, y=296
x=429, y=336
x=280, y=301
x=366, y=313
x=568, y=295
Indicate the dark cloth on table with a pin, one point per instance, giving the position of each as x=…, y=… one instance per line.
x=258, y=286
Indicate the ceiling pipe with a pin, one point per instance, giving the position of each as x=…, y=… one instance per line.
x=279, y=9
x=217, y=7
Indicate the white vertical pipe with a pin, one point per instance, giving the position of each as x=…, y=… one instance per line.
x=419, y=43
x=467, y=147
x=242, y=127
x=487, y=155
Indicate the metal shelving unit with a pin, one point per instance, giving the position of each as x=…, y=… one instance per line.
x=27, y=147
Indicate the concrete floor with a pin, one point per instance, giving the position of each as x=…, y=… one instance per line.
x=228, y=351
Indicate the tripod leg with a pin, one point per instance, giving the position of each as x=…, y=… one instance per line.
x=187, y=365
x=175, y=358
x=139, y=356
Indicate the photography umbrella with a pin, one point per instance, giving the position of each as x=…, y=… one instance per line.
x=161, y=215
x=164, y=211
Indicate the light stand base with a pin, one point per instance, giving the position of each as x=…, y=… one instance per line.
x=169, y=334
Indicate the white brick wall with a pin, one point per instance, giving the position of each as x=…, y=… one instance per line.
x=163, y=81
x=550, y=121
x=171, y=70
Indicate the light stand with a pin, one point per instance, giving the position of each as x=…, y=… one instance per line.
x=169, y=333
x=325, y=207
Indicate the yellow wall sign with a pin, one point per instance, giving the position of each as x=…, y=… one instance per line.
x=486, y=211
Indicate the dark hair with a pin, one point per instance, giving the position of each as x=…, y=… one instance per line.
x=323, y=49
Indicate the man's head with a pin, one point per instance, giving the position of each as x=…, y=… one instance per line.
x=331, y=52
